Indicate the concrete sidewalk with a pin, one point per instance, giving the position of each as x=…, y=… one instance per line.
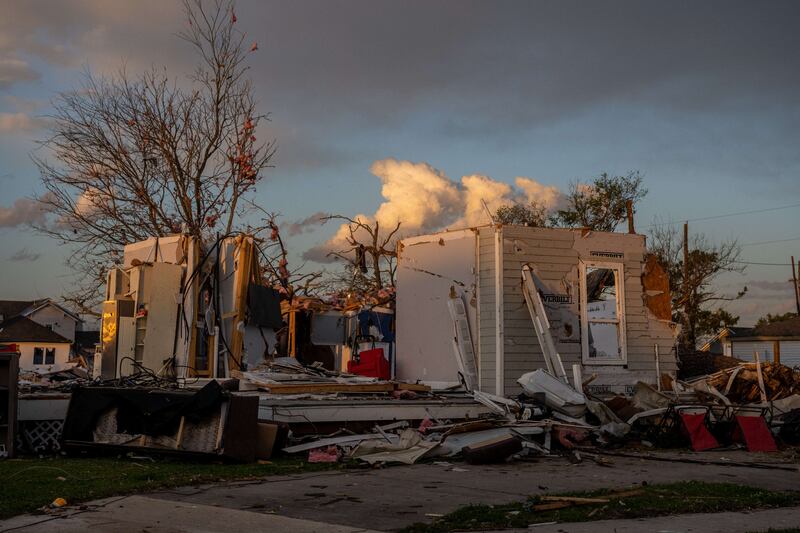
x=140, y=513
x=392, y=498
x=787, y=517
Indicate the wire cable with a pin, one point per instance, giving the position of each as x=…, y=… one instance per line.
x=726, y=215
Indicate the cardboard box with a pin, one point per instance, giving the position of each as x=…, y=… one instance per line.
x=266, y=435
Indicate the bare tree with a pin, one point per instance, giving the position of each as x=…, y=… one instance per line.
x=275, y=267
x=694, y=296
x=152, y=155
x=368, y=247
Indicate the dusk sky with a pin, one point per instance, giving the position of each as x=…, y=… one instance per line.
x=381, y=108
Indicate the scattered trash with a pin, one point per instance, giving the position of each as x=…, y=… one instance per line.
x=58, y=503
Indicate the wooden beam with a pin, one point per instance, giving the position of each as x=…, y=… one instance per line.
x=243, y=274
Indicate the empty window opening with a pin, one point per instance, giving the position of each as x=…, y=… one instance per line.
x=602, y=313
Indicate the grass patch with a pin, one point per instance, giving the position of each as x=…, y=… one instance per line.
x=649, y=500
x=28, y=484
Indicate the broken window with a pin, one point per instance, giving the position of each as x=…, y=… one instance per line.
x=50, y=356
x=38, y=356
x=602, y=313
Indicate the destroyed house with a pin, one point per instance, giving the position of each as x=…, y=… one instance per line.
x=469, y=303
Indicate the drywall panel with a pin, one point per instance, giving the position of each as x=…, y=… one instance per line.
x=427, y=269
x=161, y=299
x=155, y=249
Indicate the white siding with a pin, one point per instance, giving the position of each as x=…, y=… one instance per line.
x=486, y=309
x=790, y=353
x=744, y=350
x=57, y=320
x=26, y=355
x=554, y=255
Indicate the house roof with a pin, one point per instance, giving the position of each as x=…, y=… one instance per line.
x=729, y=331
x=23, y=329
x=12, y=308
x=783, y=328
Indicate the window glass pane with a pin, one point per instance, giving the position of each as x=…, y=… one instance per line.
x=50, y=356
x=38, y=356
x=604, y=341
x=601, y=292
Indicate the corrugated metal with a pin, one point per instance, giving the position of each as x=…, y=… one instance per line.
x=790, y=353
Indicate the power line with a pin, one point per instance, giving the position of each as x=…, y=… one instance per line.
x=770, y=242
x=714, y=217
x=764, y=264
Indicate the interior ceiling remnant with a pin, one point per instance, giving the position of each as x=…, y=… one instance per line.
x=655, y=284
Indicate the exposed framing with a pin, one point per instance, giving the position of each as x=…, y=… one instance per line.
x=619, y=272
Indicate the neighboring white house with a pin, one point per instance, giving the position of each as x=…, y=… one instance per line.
x=40, y=348
x=45, y=312
x=778, y=341
x=43, y=330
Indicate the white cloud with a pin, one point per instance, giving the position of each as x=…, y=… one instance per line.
x=423, y=199
x=24, y=255
x=14, y=70
x=18, y=122
x=547, y=195
x=418, y=195
x=24, y=211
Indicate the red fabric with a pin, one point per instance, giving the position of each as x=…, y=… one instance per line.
x=695, y=428
x=371, y=363
x=755, y=433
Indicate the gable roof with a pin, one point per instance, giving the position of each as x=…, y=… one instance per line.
x=23, y=329
x=11, y=308
x=712, y=342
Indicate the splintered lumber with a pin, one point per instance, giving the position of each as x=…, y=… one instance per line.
x=322, y=388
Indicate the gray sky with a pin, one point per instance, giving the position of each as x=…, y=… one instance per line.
x=702, y=97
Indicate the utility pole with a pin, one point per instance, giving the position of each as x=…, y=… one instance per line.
x=689, y=333
x=629, y=208
x=796, y=288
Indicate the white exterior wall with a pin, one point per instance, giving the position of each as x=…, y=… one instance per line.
x=427, y=268
x=57, y=320
x=555, y=256
x=502, y=324
x=26, y=355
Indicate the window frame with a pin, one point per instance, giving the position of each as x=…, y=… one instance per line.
x=41, y=353
x=619, y=281
x=47, y=353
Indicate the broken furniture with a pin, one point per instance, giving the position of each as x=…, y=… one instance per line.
x=9, y=370
x=210, y=422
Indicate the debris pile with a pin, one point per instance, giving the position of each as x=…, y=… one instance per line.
x=287, y=376
x=754, y=382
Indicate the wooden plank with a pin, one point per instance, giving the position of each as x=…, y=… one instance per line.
x=415, y=387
